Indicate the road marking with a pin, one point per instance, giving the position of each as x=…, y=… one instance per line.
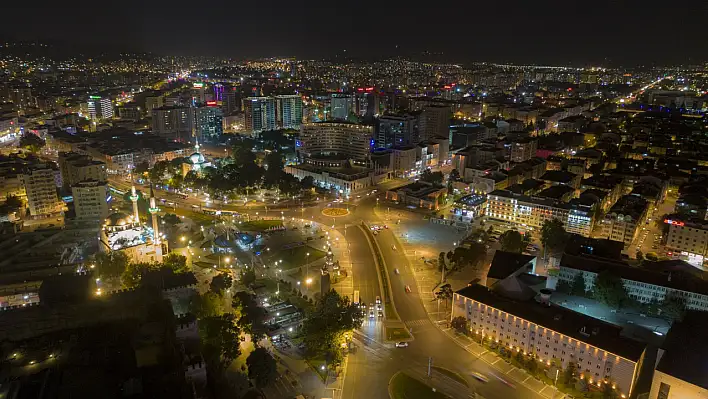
x=420, y=322
x=510, y=370
x=495, y=362
x=524, y=381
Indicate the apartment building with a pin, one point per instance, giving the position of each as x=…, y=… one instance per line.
x=75, y=167
x=91, y=200
x=624, y=220
x=523, y=149
x=41, y=188
x=330, y=138
x=551, y=332
x=653, y=282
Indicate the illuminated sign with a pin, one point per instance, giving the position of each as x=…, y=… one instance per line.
x=365, y=89
x=198, y=85
x=674, y=222
x=448, y=87
x=95, y=97
x=211, y=103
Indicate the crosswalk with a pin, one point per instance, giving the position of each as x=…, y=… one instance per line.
x=420, y=322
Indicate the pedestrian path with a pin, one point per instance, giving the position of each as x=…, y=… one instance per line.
x=421, y=322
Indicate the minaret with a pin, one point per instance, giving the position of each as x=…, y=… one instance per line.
x=134, y=199
x=153, y=211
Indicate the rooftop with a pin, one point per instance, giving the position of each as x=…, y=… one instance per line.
x=558, y=176
x=603, y=181
x=505, y=264
x=556, y=192
x=567, y=322
x=686, y=351
x=632, y=205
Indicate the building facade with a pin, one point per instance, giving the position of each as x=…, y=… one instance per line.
x=209, y=126
x=553, y=334
x=41, y=189
x=688, y=238
x=75, y=167
x=174, y=123
x=289, y=111
x=341, y=106
x=91, y=200
x=396, y=131
x=259, y=114
x=623, y=221
x=331, y=138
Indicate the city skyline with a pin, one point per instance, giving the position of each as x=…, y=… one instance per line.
x=519, y=32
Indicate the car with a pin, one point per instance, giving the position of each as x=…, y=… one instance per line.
x=408, y=288
x=480, y=376
x=393, y=247
x=379, y=307
x=371, y=314
x=378, y=300
x=380, y=313
x=396, y=270
x=385, y=226
x=375, y=233
x=371, y=306
x=401, y=344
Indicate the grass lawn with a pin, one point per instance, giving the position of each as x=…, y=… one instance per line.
x=396, y=333
x=295, y=257
x=451, y=374
x=259, y=225
x=403, y=386
x=390, y=315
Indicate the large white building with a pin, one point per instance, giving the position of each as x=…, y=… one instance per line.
x=259, y=114
x=553, y=333
x=653, y=282
x=289, y=111
x=100, y=107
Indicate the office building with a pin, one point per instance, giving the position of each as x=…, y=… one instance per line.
x=289, y=111
x=689, y=239
x=259, y=114
x=91, y=200
x=330, y=139
x=624, y=220
x=551, y=333
x=367, y=104
x=396, y=131
x=341, y=105
x=209, y=124
x=173, y=123
x=231, y=102
x=528, y=212
x=434, y=122
x=100, y=107
x=75, y=168
x=41, y=188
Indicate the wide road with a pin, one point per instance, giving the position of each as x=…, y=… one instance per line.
x=429, y=340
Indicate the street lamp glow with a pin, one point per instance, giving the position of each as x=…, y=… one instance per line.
x=183, y=238
x=309, y=281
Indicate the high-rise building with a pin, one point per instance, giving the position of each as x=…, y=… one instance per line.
x=367, y=104
x=330, y=138
x=173, y=123
x=152, y=102
x=259, y=114
x=289, y=111
x=396, y=131
x=209, y=123
x=341, y=105
x=231, y=102
x=41, y=190
x=22, y=97
x=75, y=168
x=198, y=93
x=91, y=200
x=100, y=107
x=218, y=92
x=434, y=122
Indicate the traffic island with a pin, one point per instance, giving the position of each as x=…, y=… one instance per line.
x=403, y=386
x=396, y=331
x=335, y=212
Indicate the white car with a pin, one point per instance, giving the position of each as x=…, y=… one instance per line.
x=480, y=376
x=401, y=344
x=378, y=300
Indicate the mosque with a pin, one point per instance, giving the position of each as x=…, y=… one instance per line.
x=142, y=243
x=195, y=162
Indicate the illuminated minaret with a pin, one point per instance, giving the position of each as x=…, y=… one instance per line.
x=153, y=211
x=134, y=198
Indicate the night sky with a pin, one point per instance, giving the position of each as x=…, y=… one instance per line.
x=521, y=31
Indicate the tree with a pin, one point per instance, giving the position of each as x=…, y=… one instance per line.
x=252, y=316
x=479, y=235
x=220, y=338
x=552, y=236
x=577, y=287
x=640, y=255
x=261, y=367
x=652, y=256
x=673, y=307
x=14, y=202
x=569, y=374
x=326, y=324
x=32, y=142
x=307, y=182
x=512, y=241
x=459, y=323
x=441, y=261
x=134, y=273
x=171, y=219
x=175, y=262
x=563, y=287
x=208, y=304
x=111, y=264
x=221, y=283
x=141, y=168
x=444, y=293
x=609, y=289
x=473, y=256
x=432, y=177
x=454, y=175
x=248, y=277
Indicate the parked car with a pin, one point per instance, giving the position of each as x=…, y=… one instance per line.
x=401, y=344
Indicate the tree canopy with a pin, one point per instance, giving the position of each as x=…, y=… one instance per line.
x=553, y=236
x=513, y=241
x=220, y=338
x=609, y=289
x=432, y=177
x=32, y=142
x=261, y=367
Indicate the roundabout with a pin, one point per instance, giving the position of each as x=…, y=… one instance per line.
x=335, y=212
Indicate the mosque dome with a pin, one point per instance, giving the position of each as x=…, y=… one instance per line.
x=118, y=219
x=196, y=158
